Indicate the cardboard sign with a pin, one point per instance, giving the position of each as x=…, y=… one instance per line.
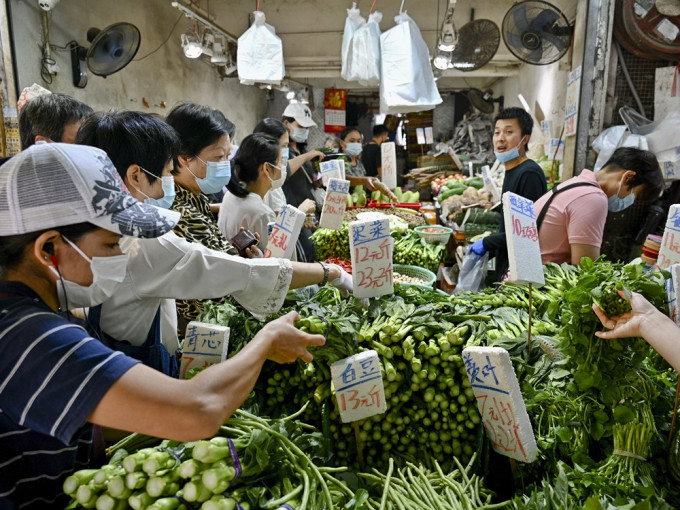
x=204, y=345
x=500, y=402
x=669, y=253
x=371, y=248
x=522, y=235
x=285, y=233
x=334, y=204
x=359, y=387
x=388, y=164
x=672, y=286
x=334, y=169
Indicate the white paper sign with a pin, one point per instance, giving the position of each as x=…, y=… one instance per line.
x=522, y=236
x=672, y=286
x=334, y=169
x=500, y=402
x=334, y=204
x=420, y=136
x=669, y=253
x=359, y=387
x=389, y=164
x=490, y=184
x=204, y=345
x=371, y=250
x=429, y=138
x=573, y=94
x=285, y=233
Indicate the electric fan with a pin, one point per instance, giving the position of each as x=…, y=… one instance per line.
x=478, y=42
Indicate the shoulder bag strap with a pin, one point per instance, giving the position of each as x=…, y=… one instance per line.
x=555, y=192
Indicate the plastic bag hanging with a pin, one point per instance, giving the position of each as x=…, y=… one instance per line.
x=364, y=53
x=259, y=55
x=353, y=22
x=407, y=83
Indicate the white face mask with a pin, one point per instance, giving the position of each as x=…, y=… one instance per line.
x=107, y=274
x=299, y=135
x=277, y=183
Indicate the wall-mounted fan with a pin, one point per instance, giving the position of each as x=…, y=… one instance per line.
x=478, y=42
x=484, y=101
x=536, y=32
x=110, y=51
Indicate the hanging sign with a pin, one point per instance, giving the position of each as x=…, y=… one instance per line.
x=371, y=252
x=204, y=345
x=522, y=236
x=335, y=110
x=388, y=162
x=669, y=253
x=334, y=169
x=571, y=110
x=333, y=211
x=500, y=402
x=359, y=387
x=284, y=233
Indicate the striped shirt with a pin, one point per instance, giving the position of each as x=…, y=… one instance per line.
x=52, y=376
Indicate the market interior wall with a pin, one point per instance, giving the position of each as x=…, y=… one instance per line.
x=165, y=77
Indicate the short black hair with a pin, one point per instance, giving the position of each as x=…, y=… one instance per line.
x=380, y=129
x=131, y=138
x=198, y=126
x=272, y=127
x=48, y=115
x=347, y=131
x=526, y=123
x=254, y=150
x=646, y=168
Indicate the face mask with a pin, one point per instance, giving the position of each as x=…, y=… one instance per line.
x=107, y=275
x=165, y=202
x=617, y=204
x=217, y=175
x=353, y=148
x=285, y=154
x=277, y=183
x=299, y=135
x=506, y=156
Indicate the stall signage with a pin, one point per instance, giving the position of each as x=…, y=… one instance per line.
x=359, y=387
x=371, y=250
x=500, y=402
x=669, y=253
x=335, y=110
x=334, y=169
x=490, y=184
x=285, y=233
x=204, y=345
x=522, y=236
x=388, y=164
x=334, y=204
x=672, y=286
x=571, y=109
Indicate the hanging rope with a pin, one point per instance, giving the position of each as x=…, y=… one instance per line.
x=258, y=5
x=373, y=5
x=401, y=9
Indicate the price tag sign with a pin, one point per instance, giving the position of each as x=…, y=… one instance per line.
x=490, y=184
x=371, y=250
x=669, y=253
x=359, y=387
x=429, y=138
x=388, y=163
x=672, y=285
x=285, y=233
x=334, y=204
x=204, y=345
x=334, y=169
x=420, y=136
x=500, y=402
x=522, y=235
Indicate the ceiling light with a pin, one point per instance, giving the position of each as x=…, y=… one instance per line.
x=191, y=46
x=442, y=60
x=448, y=37
x=290, y=95
x=208, y=42
x=218, y=57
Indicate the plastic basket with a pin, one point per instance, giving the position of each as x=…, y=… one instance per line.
x=421, y=273
x=441, y=235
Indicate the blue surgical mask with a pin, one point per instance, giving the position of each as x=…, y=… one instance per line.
x=506, y=156
x=285, y=154
x=217, y=176
x=618, y=204
x=168, y=184
x=353, y=148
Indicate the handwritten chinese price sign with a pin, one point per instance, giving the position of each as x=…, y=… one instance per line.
x=522, y=235
x=500, y=402
x=359, y=386
x=371, y=249
x=335, y=110
x=672, y=286
x=204, y=345
x=285, y=233
x=334, y=169
x=669, y=253
x=334, y=204
x=389, y=164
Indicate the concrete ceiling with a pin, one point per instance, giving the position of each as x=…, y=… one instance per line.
x=311, y=31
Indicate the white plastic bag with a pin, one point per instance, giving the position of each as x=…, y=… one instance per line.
x=353, y=22
x=363, y=59
x=472, y=273
x=259, y=55
x=407, y=83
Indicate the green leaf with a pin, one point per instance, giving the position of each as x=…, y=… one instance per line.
x=559, y=373
x=564, y=434
x=593, y=503
x=623, y=414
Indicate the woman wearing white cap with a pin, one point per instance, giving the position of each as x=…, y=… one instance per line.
x=62, y=213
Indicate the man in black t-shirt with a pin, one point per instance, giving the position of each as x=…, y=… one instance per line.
x=371, y=156
x=523, y=177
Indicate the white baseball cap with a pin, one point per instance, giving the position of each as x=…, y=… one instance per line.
x=58, y=184
x=301, y=113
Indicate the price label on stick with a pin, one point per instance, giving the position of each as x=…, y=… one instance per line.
x=500, y=402
x=204, y=345
x=524, y=252
x=284, y=233
x=669, y=253
x=371, y=250
x=334, y=204
x=359, y=387
x=490, y=184
x=334, y=169
x=388, y=164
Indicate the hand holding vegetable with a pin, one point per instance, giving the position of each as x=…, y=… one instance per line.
x=287, y=343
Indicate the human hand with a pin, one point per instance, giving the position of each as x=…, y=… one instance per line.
x=343, y=280
x=315, y=155
x=629, y=324
x=253, y=252
x=287, y=343
x=307, y=206
x=371, y=183
x=477, y=248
